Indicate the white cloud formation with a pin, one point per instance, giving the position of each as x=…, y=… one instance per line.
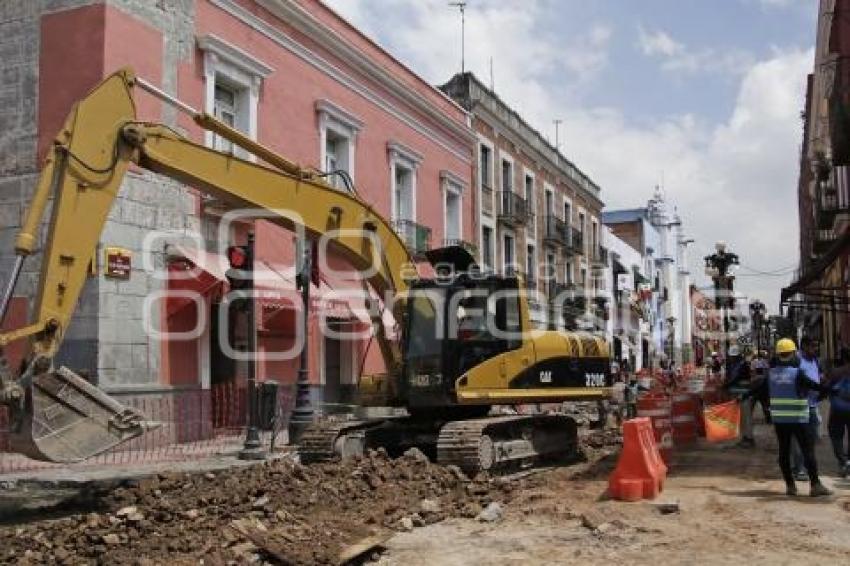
x=734, y=180
x=658, y=43
x=677, y=57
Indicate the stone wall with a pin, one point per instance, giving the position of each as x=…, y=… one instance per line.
x=106, y=337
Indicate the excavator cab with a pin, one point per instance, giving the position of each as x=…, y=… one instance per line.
x=453, y=325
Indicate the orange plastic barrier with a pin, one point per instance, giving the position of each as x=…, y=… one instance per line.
x=656, y=406
x=640, y=472
x=685, y=413
x=723, y=421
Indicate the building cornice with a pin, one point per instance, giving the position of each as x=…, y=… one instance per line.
x=300, y=19
x=340, y=114
x=544, y=161
x=235, y=56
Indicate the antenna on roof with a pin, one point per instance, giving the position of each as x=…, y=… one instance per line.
x=557, y=122
x=492, y=82
x=462, y=7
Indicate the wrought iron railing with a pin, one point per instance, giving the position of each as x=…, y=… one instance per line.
x=513, y=209
x=555, y=231
x=416, y=236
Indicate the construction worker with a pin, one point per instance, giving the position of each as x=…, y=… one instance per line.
x=738, y=384
x=760, y=367
x=839, y=411
x=789, y=406
x=810, y=364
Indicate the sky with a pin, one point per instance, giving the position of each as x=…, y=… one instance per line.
x=703, y=96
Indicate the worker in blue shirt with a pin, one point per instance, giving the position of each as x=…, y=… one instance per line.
x=810, y=364
x=839, y=411
x=789, y=388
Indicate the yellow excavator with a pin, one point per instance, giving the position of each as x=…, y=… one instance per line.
x=466, y=342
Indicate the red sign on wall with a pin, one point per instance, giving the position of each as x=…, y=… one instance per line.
x=118, y=263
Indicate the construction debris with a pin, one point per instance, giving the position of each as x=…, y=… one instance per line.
x=280, y=512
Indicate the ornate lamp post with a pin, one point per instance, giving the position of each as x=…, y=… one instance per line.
x=757, y=312
x=719, y=266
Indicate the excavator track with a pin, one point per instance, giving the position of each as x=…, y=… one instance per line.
x=326, y=440
x=506, y=443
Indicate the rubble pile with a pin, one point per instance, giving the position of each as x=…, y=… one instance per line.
x=280, y=511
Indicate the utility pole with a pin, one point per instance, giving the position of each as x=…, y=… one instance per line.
x=557, y=122
x=462, y=7
x=757, y=311
x=241, y=277
x=718, y=266
x=302, y=413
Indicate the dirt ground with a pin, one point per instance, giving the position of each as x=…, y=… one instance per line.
x=731, y=509
x=720, y=505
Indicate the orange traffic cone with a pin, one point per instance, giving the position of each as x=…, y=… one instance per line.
x=640, y=472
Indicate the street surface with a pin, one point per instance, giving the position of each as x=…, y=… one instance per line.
x=732, y=510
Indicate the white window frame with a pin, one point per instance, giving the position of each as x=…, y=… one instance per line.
x=581, y=221
x=594, y=231
x=531, y=206
x=509, y=158
x=233, y=67
x=343, y=124
x=482, y=141
x=529, y=243
x=564, y=201
x=494, y=242
x=401, y=155
x=450, y=183
x=512, y=235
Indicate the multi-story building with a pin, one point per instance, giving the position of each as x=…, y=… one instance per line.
x=656, y=232
x=629, y=325
x=537, y=213
x=291, y=74
x=817, y=298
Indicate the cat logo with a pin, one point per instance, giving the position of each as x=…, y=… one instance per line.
x=546, y=376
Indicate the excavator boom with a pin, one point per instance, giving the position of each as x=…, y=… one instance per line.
x=57, y=415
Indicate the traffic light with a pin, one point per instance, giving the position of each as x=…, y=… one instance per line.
x=240, y=276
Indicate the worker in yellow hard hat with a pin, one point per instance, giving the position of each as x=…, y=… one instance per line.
x=789, y=386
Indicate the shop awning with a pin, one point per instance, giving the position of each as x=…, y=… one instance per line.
x=338, y=295
x=814, y=274
x=191, y=272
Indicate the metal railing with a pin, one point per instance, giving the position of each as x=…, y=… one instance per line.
x=189, y=424
x=513, y=210
x=486, y=198
x=576, y=242
x=555, y=231
x=416, y=236
x=460, y=243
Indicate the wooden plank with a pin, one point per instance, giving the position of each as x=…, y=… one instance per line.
x=362, y=546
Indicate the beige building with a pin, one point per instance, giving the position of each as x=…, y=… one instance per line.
x=536, y=212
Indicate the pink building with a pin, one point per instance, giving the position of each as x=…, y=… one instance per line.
x=293, y=75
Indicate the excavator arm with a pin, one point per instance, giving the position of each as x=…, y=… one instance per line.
x=59, y=416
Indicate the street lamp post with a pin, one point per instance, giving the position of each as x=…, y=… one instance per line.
x=718, y=266
x=671, y=330
x=757, y=312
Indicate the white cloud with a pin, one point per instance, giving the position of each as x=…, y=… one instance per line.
x=658, y=43
x=733, y=180
x=677, y=57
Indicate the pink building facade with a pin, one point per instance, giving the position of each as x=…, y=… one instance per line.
x=296, y=77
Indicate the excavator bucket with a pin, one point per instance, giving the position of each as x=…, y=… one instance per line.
x=64, y=419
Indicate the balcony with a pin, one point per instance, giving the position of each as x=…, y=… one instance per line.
x=833, y=200
x=461, y=243
x=839, y=108
x=823, y=240
x=555, y=231
x=600, y=256
x=416, y=237
x=487, y=199
x=513, y=210
x=575, y=245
